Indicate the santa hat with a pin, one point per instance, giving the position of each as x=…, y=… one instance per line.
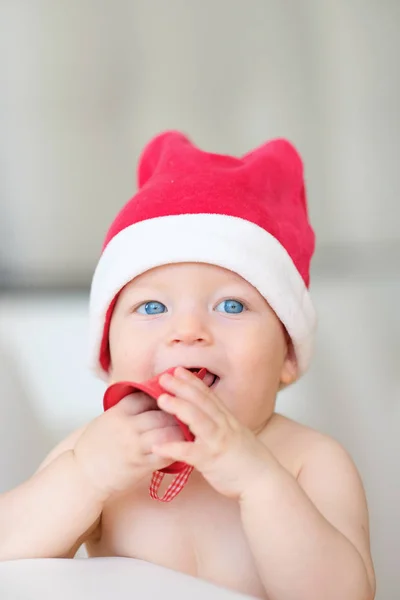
x=248, y=215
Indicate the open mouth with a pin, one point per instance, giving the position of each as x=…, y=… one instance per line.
x=210, y=379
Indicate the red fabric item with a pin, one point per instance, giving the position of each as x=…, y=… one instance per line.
x=117, y=391
x=265, y=187
x=174, y=487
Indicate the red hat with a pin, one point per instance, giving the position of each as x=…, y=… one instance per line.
x=248, y=215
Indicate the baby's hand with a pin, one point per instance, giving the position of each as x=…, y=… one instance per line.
x=115, y=450
x=229, y=455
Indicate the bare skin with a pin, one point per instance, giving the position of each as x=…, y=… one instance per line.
x=273, y=509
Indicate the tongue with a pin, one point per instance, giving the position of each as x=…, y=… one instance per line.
x=208, y=379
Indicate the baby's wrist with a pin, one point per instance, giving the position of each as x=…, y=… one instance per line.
x=96, y=491
x=258, y=473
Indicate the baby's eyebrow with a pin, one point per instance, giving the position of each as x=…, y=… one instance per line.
x=227, y=289
x=139, y=292
x=141, y=289
x=235, y=288
x=147, y=293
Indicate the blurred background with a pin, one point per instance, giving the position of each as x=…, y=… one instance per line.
x=85, y=84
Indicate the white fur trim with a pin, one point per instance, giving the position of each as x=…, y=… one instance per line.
x=221, y=240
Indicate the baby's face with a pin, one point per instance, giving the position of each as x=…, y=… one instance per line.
x=199, y=315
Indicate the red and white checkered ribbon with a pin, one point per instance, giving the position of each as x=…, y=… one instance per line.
x=174, y=487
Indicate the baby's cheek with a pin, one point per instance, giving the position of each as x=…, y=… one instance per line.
x=253, y=412
x=256, y=384
x=126, y=362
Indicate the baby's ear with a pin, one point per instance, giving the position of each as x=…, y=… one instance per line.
x=290, y=369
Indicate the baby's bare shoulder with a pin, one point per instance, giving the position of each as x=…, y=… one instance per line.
x=316, y=460
x=293, y=431
x=298, y=446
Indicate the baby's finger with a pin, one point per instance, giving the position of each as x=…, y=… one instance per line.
x=189, y=390
x=135, y=404
x=186, y=452
x=155, y=437
x=153, y=419
x=188, y=377
x=202, y=425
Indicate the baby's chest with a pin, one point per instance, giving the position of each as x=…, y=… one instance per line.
x=199, y=536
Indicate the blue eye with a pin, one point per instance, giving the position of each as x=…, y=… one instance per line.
x=151, y=308
x=232, y=307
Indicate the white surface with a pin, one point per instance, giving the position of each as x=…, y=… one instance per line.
x=101, y=579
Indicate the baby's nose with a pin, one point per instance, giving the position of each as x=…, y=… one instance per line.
x=190, y=329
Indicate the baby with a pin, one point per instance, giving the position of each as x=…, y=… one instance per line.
x=206, y=267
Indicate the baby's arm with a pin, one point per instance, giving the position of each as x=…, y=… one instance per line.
x=55, y=511
x=52, y=513
x=310, y=537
